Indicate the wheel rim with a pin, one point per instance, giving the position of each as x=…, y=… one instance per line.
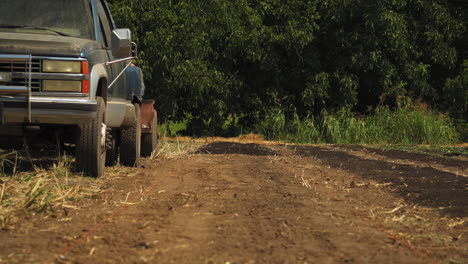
x=103, y=136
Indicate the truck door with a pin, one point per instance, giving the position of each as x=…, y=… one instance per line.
x=118, y=89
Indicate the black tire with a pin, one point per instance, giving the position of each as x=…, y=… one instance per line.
x=113, y=151
x=149, y=142
x=130, y=142
x=90, y=148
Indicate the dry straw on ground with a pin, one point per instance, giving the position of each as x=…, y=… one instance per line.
x=173, y=148
x=38, y=190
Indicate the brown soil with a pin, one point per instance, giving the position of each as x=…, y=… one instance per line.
x=247, y=203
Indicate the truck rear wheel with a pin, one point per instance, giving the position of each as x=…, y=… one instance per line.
x=91, y=144
x=112, y=154
x=149, y=142
x=130, y=142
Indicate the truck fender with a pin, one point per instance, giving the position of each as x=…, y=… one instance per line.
x=98, y=72
x=135, y=84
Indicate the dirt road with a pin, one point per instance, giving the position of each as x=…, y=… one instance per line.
x=249, y=203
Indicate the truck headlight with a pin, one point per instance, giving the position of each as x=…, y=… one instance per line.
x=61, y=86
x=61, y=66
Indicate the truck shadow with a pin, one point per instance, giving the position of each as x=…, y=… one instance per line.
x=424, y=186
x=15, y=157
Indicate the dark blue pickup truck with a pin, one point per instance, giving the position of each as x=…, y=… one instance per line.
x=64, y=64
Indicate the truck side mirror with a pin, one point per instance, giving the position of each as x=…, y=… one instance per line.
x=121, y=43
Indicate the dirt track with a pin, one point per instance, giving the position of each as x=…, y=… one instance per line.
x=248, y=203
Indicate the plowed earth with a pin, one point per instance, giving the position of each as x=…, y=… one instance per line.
x=249, y=203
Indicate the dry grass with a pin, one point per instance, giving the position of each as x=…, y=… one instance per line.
x=38, y=190
x=8, y=159
x=247, y=138
x=174, y=148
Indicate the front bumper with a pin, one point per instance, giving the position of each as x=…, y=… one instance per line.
x=46, y=110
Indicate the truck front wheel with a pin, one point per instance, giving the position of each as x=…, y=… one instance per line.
x=130, y=142
x=91, y=144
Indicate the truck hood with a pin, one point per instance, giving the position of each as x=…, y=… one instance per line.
x=45, y=45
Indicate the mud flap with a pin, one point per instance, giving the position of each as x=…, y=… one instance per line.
x=147, y=115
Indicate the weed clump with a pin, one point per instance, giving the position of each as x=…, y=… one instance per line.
x=401, y=126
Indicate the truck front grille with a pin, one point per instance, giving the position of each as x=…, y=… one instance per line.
x=22, y=66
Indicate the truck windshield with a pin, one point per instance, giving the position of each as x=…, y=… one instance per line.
x=54, y=17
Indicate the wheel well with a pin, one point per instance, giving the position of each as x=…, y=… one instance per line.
x=102, y=89
x=135, y=100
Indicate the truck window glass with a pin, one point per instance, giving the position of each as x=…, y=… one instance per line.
x=55, y=17
x=105, y=26
x=107, y=11
x=103, y=37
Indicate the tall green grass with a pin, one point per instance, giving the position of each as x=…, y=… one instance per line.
x=401, y=126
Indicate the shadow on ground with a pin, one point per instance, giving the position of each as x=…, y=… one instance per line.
x=423, y=186
x=17, y=158
x=222, y=148
x=403, y=155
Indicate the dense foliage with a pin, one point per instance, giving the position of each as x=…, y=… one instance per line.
x=224, y=64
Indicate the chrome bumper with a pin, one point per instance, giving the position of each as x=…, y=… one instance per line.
x=46, y=110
